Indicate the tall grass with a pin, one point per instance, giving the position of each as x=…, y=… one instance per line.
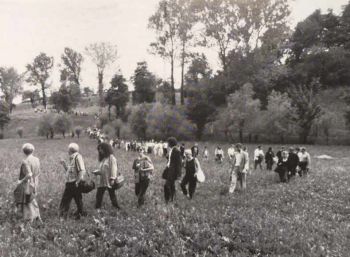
x=307, y=217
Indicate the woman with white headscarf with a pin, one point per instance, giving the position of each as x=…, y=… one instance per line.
x=25, y=193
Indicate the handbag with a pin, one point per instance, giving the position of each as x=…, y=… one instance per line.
x=118, y=182
x=200, y=174
x=85, y=186
x=165, y=173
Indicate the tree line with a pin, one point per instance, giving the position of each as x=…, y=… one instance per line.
x=270, y=77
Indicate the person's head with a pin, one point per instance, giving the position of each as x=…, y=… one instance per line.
x=259, y=147
x=270, y=149
x=104, y=151
x=172, y=142
x=285, y=154
x=297, y=149
x=28, y=149
x=73, y=148
x=238, y=147
x=244, y=148
x=188, y=154
x=141, y=152
x=291, y=149
x=303, y=149
x=282, y=148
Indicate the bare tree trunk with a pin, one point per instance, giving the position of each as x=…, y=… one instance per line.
x=100, y=87
x=173, y=98
x=44, y=94
x=182, y=73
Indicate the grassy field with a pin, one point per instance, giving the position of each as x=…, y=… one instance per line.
x=307, y=217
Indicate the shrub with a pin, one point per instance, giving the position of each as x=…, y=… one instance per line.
x=78, y=131
x=20, y=132
x=62, y=124
x=46, y=126
x=164, y=121
x=138, y=123
x=109, y=130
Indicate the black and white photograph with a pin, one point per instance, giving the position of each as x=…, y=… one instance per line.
x=175, y=128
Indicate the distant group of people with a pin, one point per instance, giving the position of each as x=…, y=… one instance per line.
x=288, y=164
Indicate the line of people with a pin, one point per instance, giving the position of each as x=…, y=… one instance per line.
x=178, y=158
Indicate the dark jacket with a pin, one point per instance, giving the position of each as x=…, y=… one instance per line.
x=175, y=166
x=293, y=161
x=269, y=156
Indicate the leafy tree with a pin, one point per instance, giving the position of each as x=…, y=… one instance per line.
x=306, y=107
x=4, y=115
x=46, y=126
x=200, y=112
x=117, y=95
x=88, y=91
x=34, y=96
x=71, y=66
x=39, y=72
x=62, y=124
x=241, y=107
x=102, y=55
x=164, y=93
x=10, y=84
x=165, y=120
x=138, y=121
x=277, y=113
x=145, y=84
x=232, y=25
x=165, y=24
x=62, y=100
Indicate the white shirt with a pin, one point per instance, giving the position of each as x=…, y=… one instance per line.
x=258, y=152
x=219, y=151
x=304, y=157
x=170, y=151
x=238, y=158
x=231, y=152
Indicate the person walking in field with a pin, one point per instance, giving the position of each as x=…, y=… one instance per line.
x=107, y=172
x=195, y=150
x=143, y=168
x=26, y=191
x=191, y=165
x=258, y=157
x=245, y=152
x=239, y=169
x=283, y=167
x=75, y=172
x=205, y=153
x=269, y=158
x=231, y=152
x=279, y=154
x=304, y=162
x=172, y=171
x=219, y=154
x=293, y=162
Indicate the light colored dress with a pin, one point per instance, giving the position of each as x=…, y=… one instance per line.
x=108, y=171
x=30, y=171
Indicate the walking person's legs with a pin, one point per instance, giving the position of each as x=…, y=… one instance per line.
x=233, y=180
x=99, y=197
x=66, y=200
x=192, y=187
x=113, y=198
x=143, y=189
x=183, y=184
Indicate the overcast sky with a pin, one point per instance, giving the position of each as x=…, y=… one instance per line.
x=29, y=27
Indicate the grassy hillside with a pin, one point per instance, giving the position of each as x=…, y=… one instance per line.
x=307, y=217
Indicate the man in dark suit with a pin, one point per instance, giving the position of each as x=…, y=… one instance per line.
x=293, y=161
x=173, y=170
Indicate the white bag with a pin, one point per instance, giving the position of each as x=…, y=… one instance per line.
x=200, y=174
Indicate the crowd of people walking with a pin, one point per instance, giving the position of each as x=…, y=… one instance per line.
x=78, y=181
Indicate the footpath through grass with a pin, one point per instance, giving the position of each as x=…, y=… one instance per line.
x=307, y=217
